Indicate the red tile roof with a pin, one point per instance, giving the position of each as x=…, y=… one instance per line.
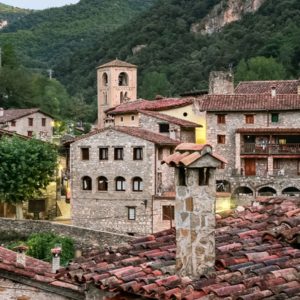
x=117, y=63
x=254, y=260
x=249, y=103
x=170, y=119
x=192, y=147
x=264, y=87
x=269, y=130
x=14, y=114
x=154, y=105
x=4, y=132
x=150, y=136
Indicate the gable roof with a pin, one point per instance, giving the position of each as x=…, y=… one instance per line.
x=254, y=259
x=264, y=87
x=249, y=103
x=170, y=119
x=4, y=132
x=150, y=136
x=154, y=105
x=14, y=114
x=117, y=63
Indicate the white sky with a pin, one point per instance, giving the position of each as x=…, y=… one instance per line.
x=38, y=4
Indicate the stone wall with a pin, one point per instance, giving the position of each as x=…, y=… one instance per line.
x=221, y=83
x=83, y=237
x=158, y=222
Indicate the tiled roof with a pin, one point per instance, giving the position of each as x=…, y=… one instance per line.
x=14, y=114
x=264, y=87
x=118, y=63
x=154, y=105
x=170, y=119
x=191, y=147
x=254, y=260
x=133, y=131
x=269, y=130
x=257, y=102
x=4, y=132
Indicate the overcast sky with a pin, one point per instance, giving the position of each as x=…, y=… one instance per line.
x=38, y=4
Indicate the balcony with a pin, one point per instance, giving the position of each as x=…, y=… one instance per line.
x=271, y=149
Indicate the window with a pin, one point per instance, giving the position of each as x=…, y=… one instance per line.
x=137, y=184
x=104, y=98
x=276, y=164
x=221, y=119
x=164, y=127
x=43, y=122
x=103, y=153
x=120, y=184
x=131, y=213
x=221, y=139
x=138, y=153
x=105, y=79
x=13, y=123
x=102, y=183
x=119, y=153
x=30, y=133
x=181, y=174
x=249, y=119
x=123, y=79
x=30, y=121
x=168, y=212
x=160, y=153
x=275, y=118
x=85, y=153
x=122, y=119
x=132, y=118
x=203, y=176
x=86, y=183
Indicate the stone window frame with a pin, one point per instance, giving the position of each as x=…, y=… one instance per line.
x=131, y=213
x=85, y=153
x=30, y=133
x=103, y=153
x=137, y=184
x=118, y=153
x=86, y=183
x=138, y=153
x=120, y=184
x=221, y=139
x=204, y=176
x=221, y=118
x=30, y=121
x=164, y=127
x=249, y=118
x=44, y=121
x=168, y=212
x=123, y=79
x=13, y=123
x=274, y=117
x=102, y=186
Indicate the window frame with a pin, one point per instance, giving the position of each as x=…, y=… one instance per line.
x=44, y=121
x=30, y=133
x=221, y=139
x=117, y=151
x=274, y=115
x=13, y=123
x=122, y=181
x=138, y=153
x=249, y=119
x=83, y=153
x=105, y=151
x=30, y=122
x=89, y=185
x=131, y=208
x=221, y=119
x=140, y=184
x=164, y=127
x=105, y=182
x=170, y=214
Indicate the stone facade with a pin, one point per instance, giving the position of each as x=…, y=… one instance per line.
x=221, y=83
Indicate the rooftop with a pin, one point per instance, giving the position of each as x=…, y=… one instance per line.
x=117, y=63
x=264, y=87
x=14, y=114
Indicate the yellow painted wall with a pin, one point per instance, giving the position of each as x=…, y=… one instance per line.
x=199, y=118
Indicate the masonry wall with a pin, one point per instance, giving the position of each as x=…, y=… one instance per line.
x=39, y=131
x=158, y=221
x=108, y=210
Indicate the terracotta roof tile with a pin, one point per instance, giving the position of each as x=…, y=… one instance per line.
x=117, y=63
x=14, y=114
x=264, y=87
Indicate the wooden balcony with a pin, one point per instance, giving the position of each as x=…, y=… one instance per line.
x=270, y=149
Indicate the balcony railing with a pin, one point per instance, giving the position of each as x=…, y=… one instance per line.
x=251, y=148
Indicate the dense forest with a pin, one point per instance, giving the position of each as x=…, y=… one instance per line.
x=11, y=14
x=158, y=38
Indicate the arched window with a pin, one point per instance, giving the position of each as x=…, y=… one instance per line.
x=102, y=183
x=86, y=183
x=123, y=79
x=120, y=184
x=137, y=184
x=105, y=79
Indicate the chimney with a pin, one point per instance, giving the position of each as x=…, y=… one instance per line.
x=56, y=258
x=273, y=91
x=221, y=83
x=21, y=255
x=1, y=111
x=195, y=209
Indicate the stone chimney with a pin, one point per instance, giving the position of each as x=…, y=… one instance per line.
x=1, y=111
x=273, y=91
x=56, y=258
x=195, y=167
x=221, y=83
x=109, y=121
x=21, y=255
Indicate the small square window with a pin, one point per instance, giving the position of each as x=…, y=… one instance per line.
x=221, y=119
x=30, y=121
x=131, y=213
x=221, y=139
x=30, y=133
x=132, y=118
x=85, y=153
x=168, y=212
x=275, y=118
x=164, y=127
x=103, y=153
x=43, y=122
x=122, y=119
x=249, y=119
x=138, y=153
x=119, y=153
x=13, y=123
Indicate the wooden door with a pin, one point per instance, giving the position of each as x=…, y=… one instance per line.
x=250, y=167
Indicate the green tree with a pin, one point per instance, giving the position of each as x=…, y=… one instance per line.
x=259, y=68
x=26, y=167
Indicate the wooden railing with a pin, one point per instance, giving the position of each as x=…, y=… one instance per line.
x=251, y=148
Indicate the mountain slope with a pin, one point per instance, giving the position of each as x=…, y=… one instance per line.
x=168, y=45
x=52, y=35
x=9, y=13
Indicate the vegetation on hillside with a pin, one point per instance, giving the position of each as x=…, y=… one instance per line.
x=11, y=13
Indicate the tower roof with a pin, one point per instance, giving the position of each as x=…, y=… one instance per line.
x=117, y=63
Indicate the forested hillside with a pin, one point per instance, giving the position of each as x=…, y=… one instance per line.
x=10, y=13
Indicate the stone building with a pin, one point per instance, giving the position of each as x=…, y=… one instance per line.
x=28, y=122
x=259, y=134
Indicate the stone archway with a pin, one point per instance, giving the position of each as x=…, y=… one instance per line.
x=243, y=190
x=266, y=191
x=291, y=191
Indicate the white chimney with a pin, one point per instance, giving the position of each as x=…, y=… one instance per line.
x=21, y=256
x=273, y=91
x=56, y=259
x=1, y=111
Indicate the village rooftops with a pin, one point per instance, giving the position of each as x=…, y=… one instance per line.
x=14, y=114
x=150, y=136
x=117, y=63
x=154, y=105
x=248, y=102
x=4, y=132
x=264, y=87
